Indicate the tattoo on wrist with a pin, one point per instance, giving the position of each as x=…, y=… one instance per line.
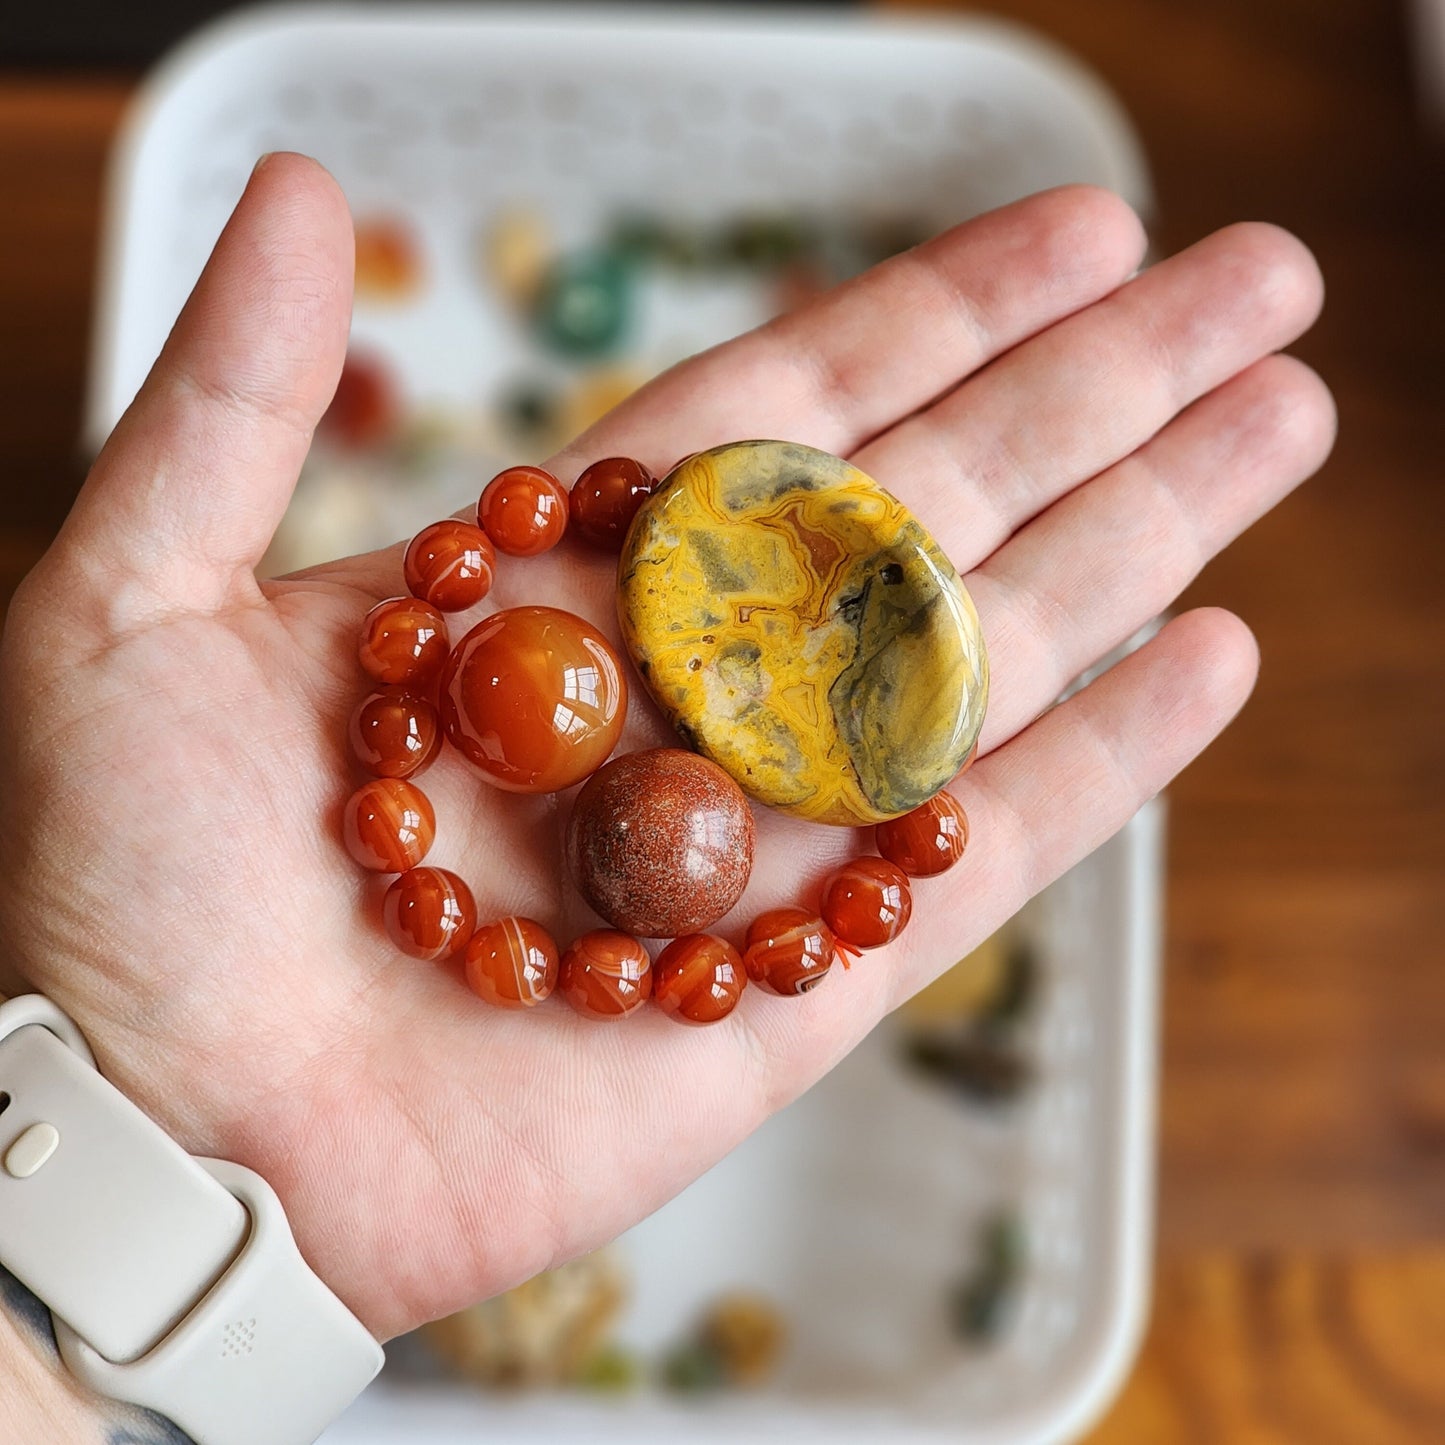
x=140, y=1427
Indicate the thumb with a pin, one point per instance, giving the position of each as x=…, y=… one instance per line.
x=183, y=500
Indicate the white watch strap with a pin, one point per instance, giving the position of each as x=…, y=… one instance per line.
x=175, y=1283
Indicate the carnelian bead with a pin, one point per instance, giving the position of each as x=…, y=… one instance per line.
x=698, y=978
x=605, y=974
x=512, y=963
x=605, y=499
x=395, y=734
x=450, y=564
x=788, y=950
x=867, y=902
x=429, y=913
x=388, y=825
x=524, y=511
x=404, y=642
x=929, y=840
x=534, y=698
x=366, y=409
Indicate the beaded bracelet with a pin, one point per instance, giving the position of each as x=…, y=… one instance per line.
x=800, y=630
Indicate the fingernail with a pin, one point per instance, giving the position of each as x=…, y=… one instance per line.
x=265, y=159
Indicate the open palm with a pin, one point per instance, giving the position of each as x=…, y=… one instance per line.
x=173, y=732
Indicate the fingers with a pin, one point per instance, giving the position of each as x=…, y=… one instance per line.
x=185, y=497
x=852, y=363
x=1088, y=391
x=1097, y=565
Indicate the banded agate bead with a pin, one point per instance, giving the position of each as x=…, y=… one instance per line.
x=605, y=499
x=605, y=974
x=512, y=963
x=395, y=734
x=927, y=841
x=429, y=913
x=867, y=902
x=698, y=978
x=404, y=643
x=450, y=564
x=788, y=950
x=388, y=825
x=524, y=511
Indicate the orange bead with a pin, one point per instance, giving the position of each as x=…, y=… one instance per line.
x=524, y=511
x=512, y=963
x=535, y=698
x=395, y=734
x=605, y=499
x=698, y=978
x=450, y=564
x=404, y=643
x=929, y=840
x=605, y=974
x=867, y=902
x=388, y=825
x=788, y=950
x=429, y=913
x=388, y=259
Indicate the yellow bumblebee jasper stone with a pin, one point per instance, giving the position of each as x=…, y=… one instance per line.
x=800, y=628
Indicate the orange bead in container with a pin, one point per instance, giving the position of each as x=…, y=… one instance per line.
x=395, y=734
x=698, y=978
x=388, y=825
x=605, y=499
x=512, y=963
x=789, y=950
x=429, y=913
x=404, y=643
x=605, y=974
x=534, y=698
x=927, y=841
x=450, y=564
x=867, y=902
x=524, y=511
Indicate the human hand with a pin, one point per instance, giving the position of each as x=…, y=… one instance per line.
x=173, y=732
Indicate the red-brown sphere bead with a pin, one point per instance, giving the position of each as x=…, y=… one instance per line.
x=660, y=842
x=388, y=825
x=524, y=511
x=929, y=840
x=534, y=698
x=395, y=734
x=698, y=978
x=366, y=410
x=404, y=643
x=450, y=564
x=512, y=963
x=605, y=499
x=788, y=950
x=867, y=902
x=429, y=913
x=605, y=974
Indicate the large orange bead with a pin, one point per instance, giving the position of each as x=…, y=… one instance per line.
x=429, y=913
x=404, y=643
x=788, y=950
x=388, y=825
x=605, y=499
x=512, y=963
x=535, y=698
x=929, y=840
x=524, y=511
x=867, y=902
x=698, y=978
x=605, y=974
x=395, y=734
x=450, y=564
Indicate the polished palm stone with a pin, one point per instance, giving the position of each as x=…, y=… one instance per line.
x=798, y=626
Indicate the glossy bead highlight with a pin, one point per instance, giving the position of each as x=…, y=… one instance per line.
x=404, y=643
x=605, y=499
x=388, y=825
x=605, y=974
x=698, y=978
x=867, y=902
x=927, y=841
x=524, y=511
x=789, y=950
x=395, y=734
x=450, y=564
x=429, y=913
x=512, y=963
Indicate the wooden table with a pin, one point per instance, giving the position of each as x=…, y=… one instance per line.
x=1301, y=1289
